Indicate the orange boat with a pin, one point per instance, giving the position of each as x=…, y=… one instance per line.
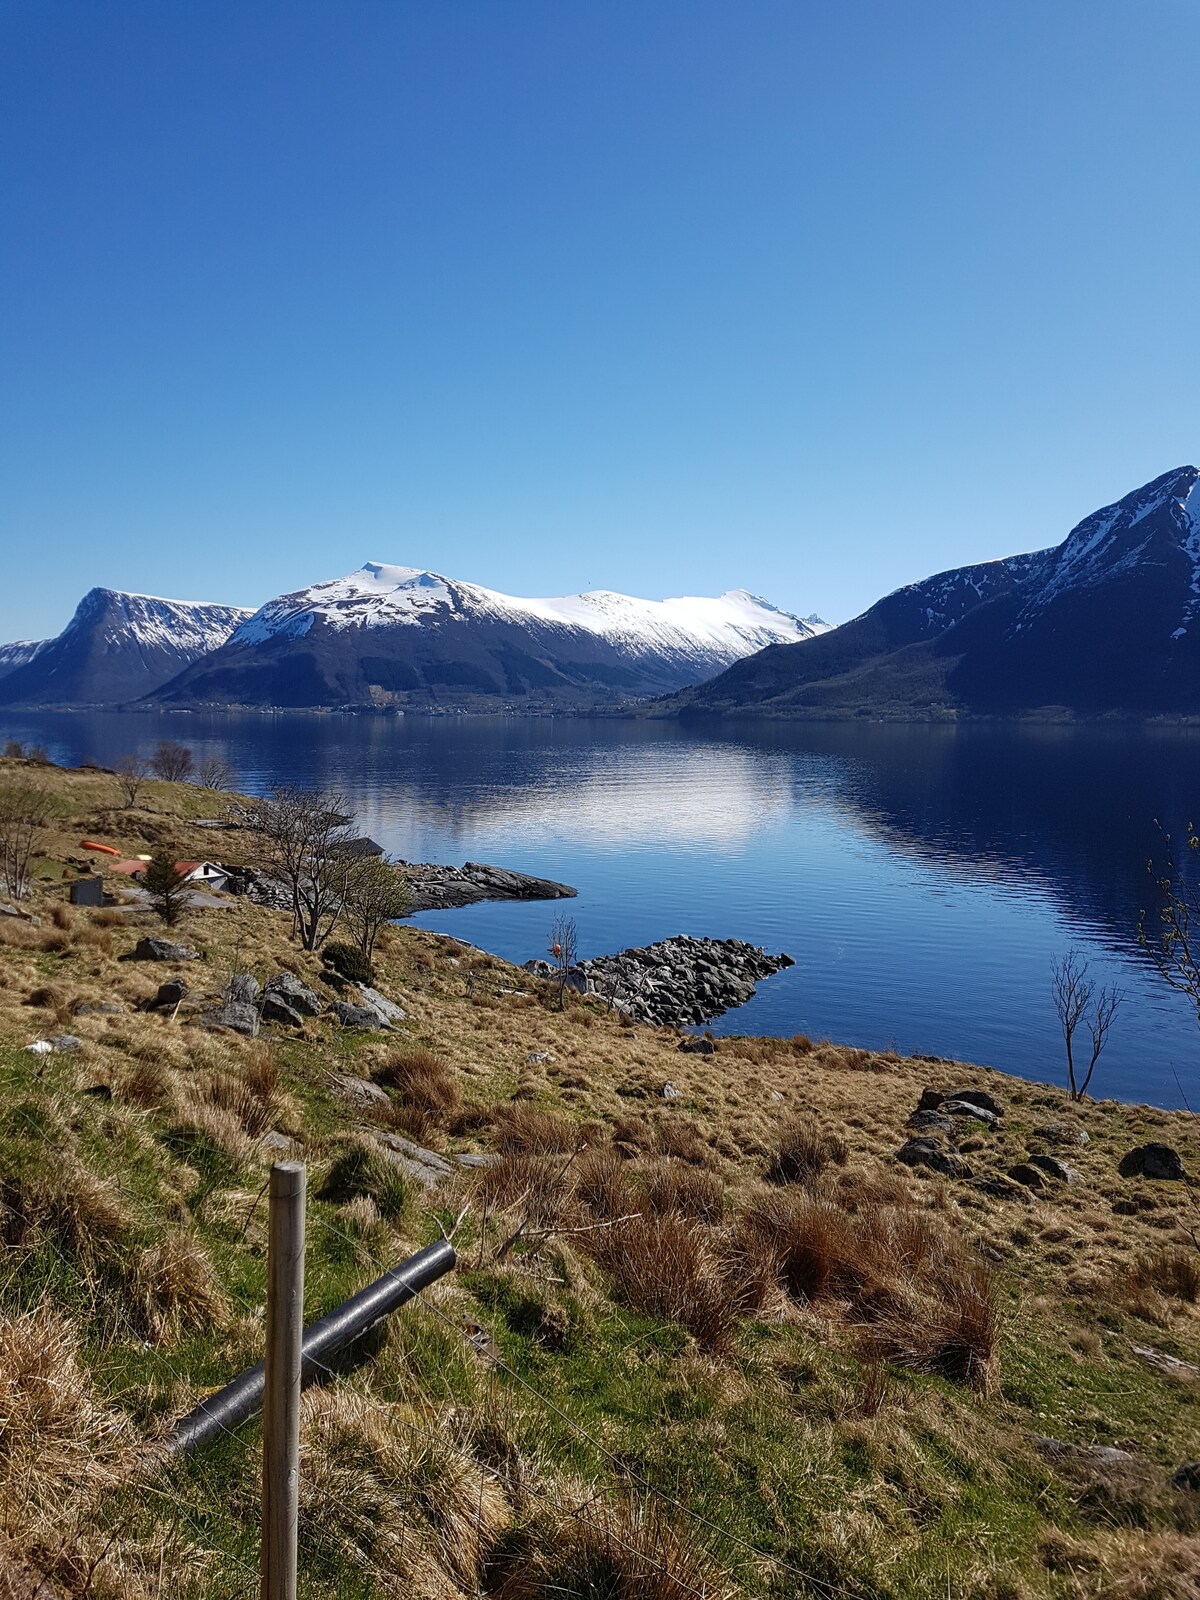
x=102, y=849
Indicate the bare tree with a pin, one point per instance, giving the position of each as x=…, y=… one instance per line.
x=172, y=761
x=25, y=808
x=132, y=772
x=214, y=772
x=562, y=950
x=376, y=892
x=307, y=833
x=1176, y=950
x=1077, y=1000
x=165, y=885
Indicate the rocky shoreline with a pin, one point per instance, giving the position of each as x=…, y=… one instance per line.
x=680, y=982
x=438, y=888
x=432, y=887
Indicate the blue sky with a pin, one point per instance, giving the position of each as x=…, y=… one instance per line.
x=811, y=298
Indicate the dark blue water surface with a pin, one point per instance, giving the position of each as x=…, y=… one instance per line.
x=922, y=877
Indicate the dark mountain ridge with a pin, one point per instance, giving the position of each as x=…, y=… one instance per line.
x=1108, y=622
x=116, y=648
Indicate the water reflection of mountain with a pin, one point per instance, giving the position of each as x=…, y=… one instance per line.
x=1069, y=809
x=1076, y=809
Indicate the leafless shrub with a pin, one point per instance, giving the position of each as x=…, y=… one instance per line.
x=1077, y=1000
x=306, y=833
x=172, y=762
x=562, y=948
x=214, y=772
x=25, y=808
x=131, y=773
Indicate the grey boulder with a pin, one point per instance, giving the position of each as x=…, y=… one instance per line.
x=236, y=1015
x=289, y=988
x=387, y=1009
x=365, y=1018
x=275, y=1008
x=154, y=949
x=1054, y=1168
x=930, y=1154
x=1152, y=1161
x=243, y=986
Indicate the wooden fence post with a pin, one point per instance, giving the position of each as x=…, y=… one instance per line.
x=281, y=1395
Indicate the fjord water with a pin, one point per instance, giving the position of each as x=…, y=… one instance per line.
x=922, y=877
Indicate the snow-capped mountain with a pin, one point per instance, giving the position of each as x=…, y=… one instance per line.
x=17, y=654
x=399, y=635
x=116, y=648
x=1106, y=622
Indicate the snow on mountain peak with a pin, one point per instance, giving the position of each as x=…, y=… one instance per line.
x=382, y=595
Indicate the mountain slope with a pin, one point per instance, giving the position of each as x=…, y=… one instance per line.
x=387, y=634
x=117, y=647
x=1106, y=622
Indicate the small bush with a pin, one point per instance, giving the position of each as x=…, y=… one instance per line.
x=804, y=1151
x=348, y=961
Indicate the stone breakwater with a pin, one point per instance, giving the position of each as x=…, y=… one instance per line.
x=680, y=982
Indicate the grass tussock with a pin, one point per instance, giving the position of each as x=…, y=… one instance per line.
x=675, y=1189
x=393, y=1494
x=56, y=1439
x=918, y=1297
x=580, y=1544
x=535, y=1130
x=176, y=1288
x=667, y=1266
x=360, y=1170
x=427, y=1087
x=804, y=1151
x=1173, y=1271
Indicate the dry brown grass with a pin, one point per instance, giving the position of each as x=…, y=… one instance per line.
x=430, y=1097
x=176, y=1289
x=56, y=1439
x=535, y=1130
x=393, y=1493
x=919, y=1298
x=627, y=1549
x=1173, y=1271
x=676, y=1189
x=667, y=1266
x=804, y=1150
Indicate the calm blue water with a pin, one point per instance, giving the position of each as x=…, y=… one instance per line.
x=922, y=878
